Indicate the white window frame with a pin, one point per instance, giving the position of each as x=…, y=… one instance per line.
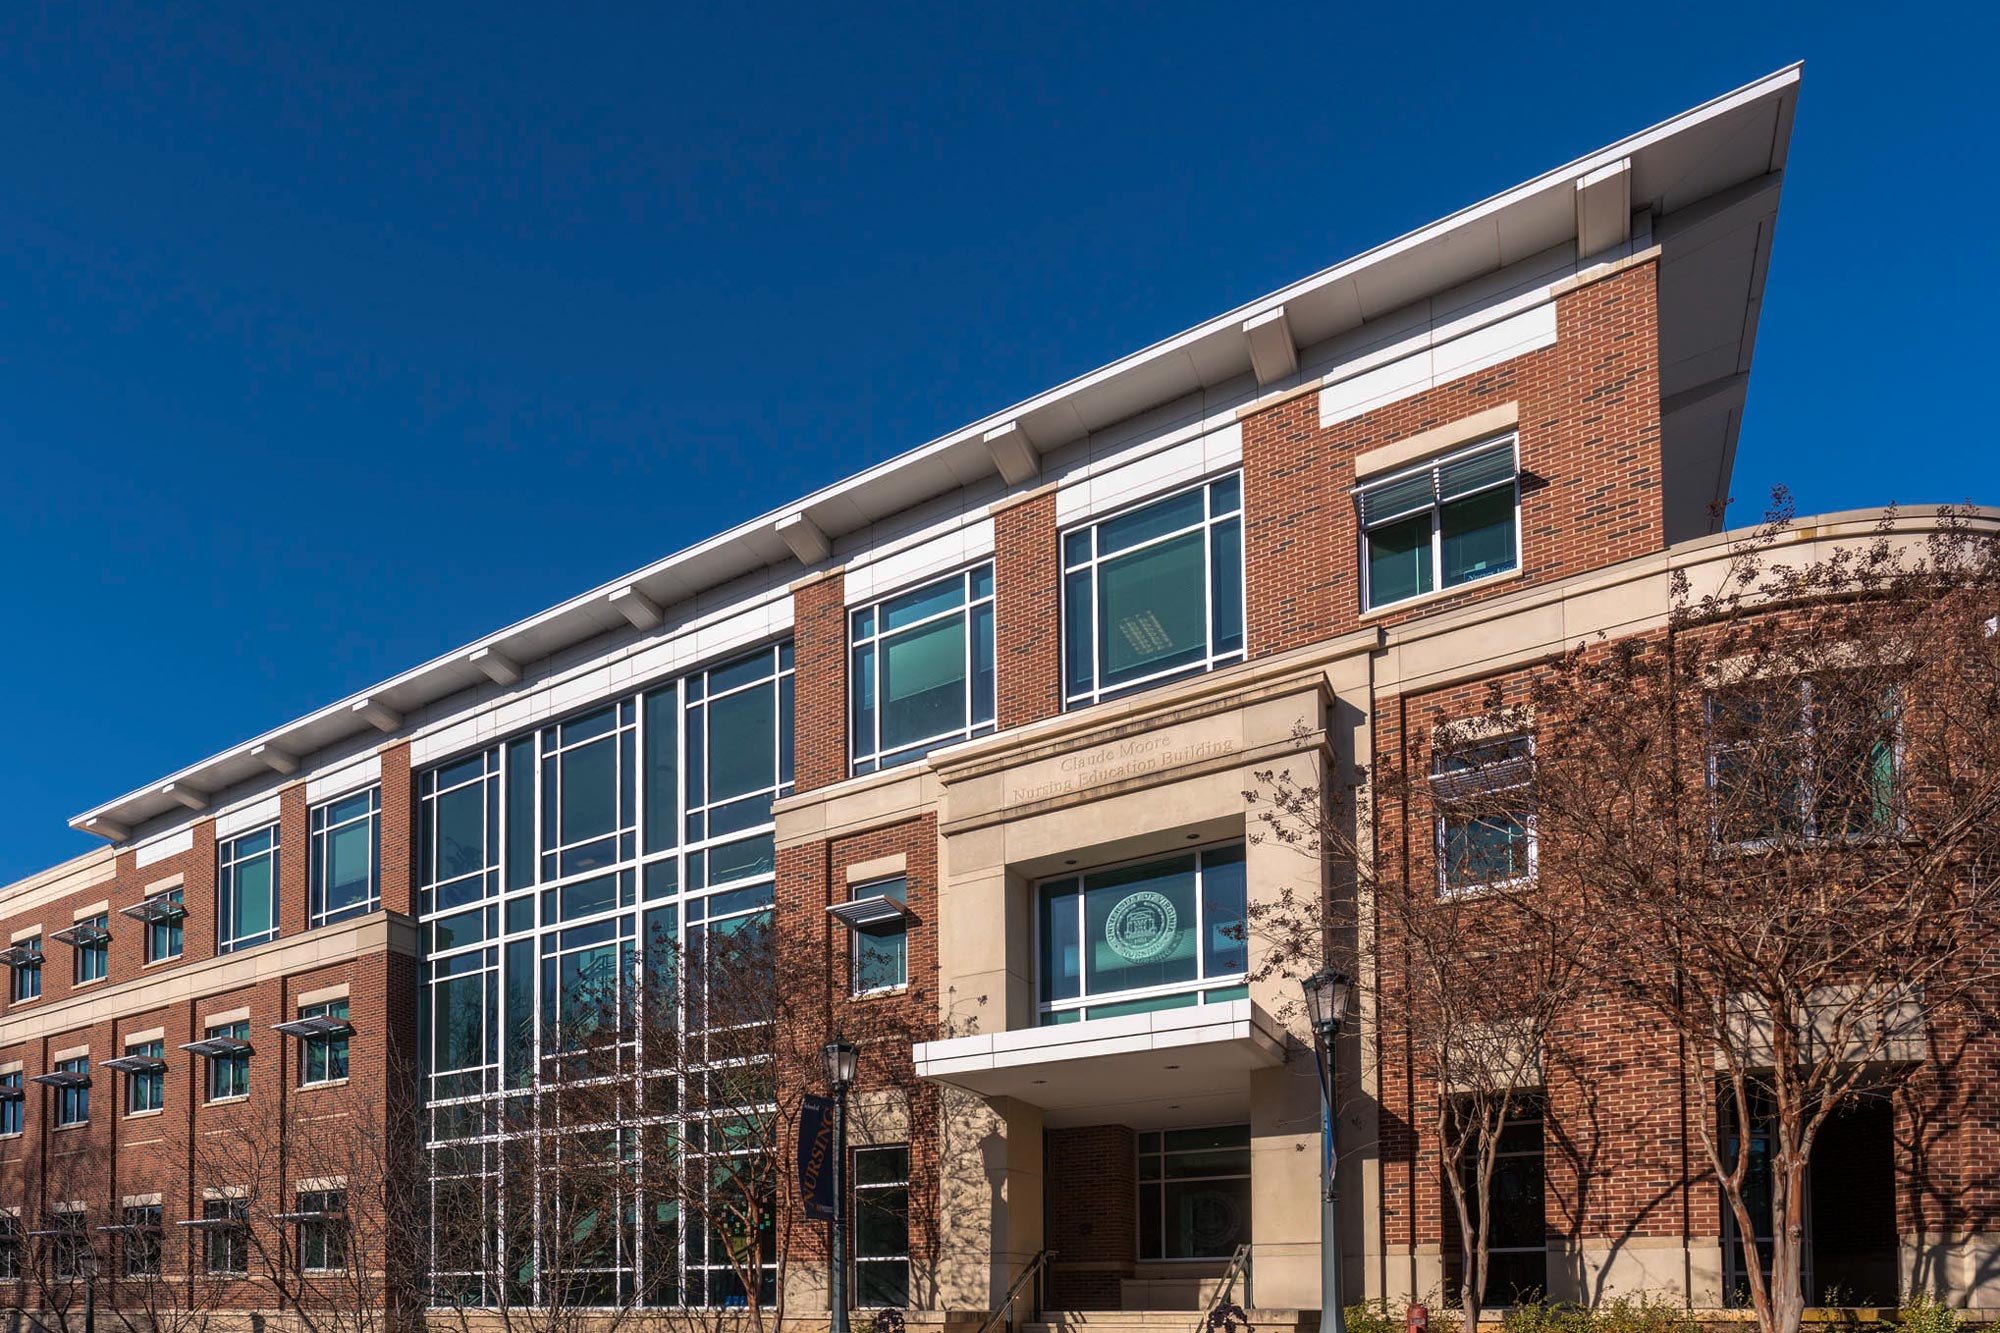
x=1442, y=807
x=869, y=889
x=70, y=1100
x=240, y=1031
x=319, y=821
x=226, y=888
x=325, y=1045
x=1436, y=508
x=155, y=1049
x=876, y=759
x=1098, y=692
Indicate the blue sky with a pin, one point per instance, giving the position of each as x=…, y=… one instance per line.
x=334, y=336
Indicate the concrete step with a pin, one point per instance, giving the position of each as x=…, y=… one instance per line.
x=1166, y=1321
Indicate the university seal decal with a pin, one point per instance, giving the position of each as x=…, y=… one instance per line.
x=1142, y=927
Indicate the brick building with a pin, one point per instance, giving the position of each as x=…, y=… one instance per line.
x=973, y=729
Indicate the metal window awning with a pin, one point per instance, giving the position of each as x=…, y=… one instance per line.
x=236, y=1222
x=316, y=1028
x=22, y=955
x=58, y=1233
x=132, y=1228
x=875, y=910
x=136, y=1064
x=218, y=1048
x=82, y=935
x=155, y=911
x=1504, y=775
x=12, y=1094
x=321, y=1215
x=62, y=1078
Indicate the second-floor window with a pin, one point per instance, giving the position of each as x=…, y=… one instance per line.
x=93, y=949
x=1806, y=757
x=224, y=1237
x=881, y=949
x=28, y=969
x=1153, y=593
x=921, y=669
x=140, y=1240
x=73, y=1099
x=146, y=1090
x=163, y=926
x=323, y=1059
x=246, y=893
x=229, y=1074
x=1441, y=525
x=1157, y=934
x=322, y=1230
x=10, y=1248
x=1485, y=813
x=346, y=857
x=12, y=1103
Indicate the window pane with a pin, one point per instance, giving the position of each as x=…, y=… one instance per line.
x=589, y=791
x=1205, y=1219
x=1399, y=560
x=459, y=1020
x=349, y=865
x=1477, y=536
x=1225, y=576
x=982, y=665
x=863, y=683
x=1078, y=637
x=251, y=914
x=1155, y=520
x=521, y=813
x=1062, y=950
x=742, y=744
x=1225, y=903
x=923, y=683
x=461, y=832
x=662, y=768
x=927, y=601
x=1155, y=610
x=1139, y=925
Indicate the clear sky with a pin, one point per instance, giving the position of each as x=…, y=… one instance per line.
x=333, y=336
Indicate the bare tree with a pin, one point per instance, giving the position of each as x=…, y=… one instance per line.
x=1785, y=806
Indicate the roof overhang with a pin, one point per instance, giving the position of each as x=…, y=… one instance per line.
x=1708, y=177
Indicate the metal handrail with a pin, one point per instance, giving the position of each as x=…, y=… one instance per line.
x=1239, y=1266
x=1034, y=1269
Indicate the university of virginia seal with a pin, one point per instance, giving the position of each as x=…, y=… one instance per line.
x=1142, y=927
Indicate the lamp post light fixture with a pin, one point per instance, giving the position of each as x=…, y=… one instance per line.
x=1329, y=994
x=841, y=1058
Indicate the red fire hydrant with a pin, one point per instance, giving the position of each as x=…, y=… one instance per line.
x=1417, y=1319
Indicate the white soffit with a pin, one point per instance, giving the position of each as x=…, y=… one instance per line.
x=1722, y=144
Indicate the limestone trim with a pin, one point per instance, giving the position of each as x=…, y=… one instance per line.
x=69, y=1053
x=1005, y=503
x=60, y=881
x=25, y=933
x=223, y=1018
x=141, y=1201
x=882, y=867
x=11, y=1067
x=145, y=1035
x=102, y=907
x=324, y=995
x=1436, y=440
x=318, y=1184
x=166, y=884
x=225, y=1192
x=1598, y=273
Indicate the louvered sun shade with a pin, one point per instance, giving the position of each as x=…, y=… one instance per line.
x=1402, y=496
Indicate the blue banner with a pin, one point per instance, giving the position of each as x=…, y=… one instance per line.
x=816, y=1157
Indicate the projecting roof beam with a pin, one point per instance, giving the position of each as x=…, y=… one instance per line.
x=108, y=829
x=190, y=797
x=1274, y=354
x=377, y=715
x=642, y=611
x=1604, y=208
x=499, y=668
x=278, y=761
x=805, y=538
x=1014, y=455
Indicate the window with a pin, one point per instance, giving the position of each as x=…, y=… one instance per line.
x=10, y=1247
x=881, y=949
x=1194, y=1192
x=1153, y=593
x=69, y=1241
x=323, y=1059
x=92, y=938
x=588, y=786
x=73, y=1098
x=26, y=962
x=1159, y=934
x=163, y=918
x=229, y=1072
x=13, y=1103
x=346, y=857
x=141, y=1240
x=921, y=669
x=146, y=1090
x=739, y=742
x=223, y=1241
x=322, y=1230
x=1802, y=757
x=1441, y=525
x=1517, y=1263
x=458, y=833
x=1485, y=813
x=246, y=897
x=882, y=1226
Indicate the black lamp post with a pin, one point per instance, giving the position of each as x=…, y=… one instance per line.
x=841, y=1057
x=87, y=1261
x=1328, y=994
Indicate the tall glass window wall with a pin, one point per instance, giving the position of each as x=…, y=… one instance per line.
x=570, y=876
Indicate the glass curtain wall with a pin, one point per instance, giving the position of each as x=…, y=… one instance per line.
x=571, y=876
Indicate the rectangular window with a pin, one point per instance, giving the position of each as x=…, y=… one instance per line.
x=92, y=941
x=1485, y=813
x=146, y=1090
x=323, y=1059
x=1194, y=1192
x=1153, y=593
x=881, y=1179
x=322, y=1230
x=73, y=1100
x=246, y=895
x=458, y=832
x=1158, y=934
x=739, y=742
x=164, y=915
x=1517, y=1263
x=346, y=857
x=589, y=772
x=10, y=1248
x=921, y=669
x=26, y=962
x=1803, y=757
x=229, y=1074
x=223, y=1240
x=881, y=950
x=1441, y=525
x=68, y=1240
x=12, y=1103
x=140, y=1240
